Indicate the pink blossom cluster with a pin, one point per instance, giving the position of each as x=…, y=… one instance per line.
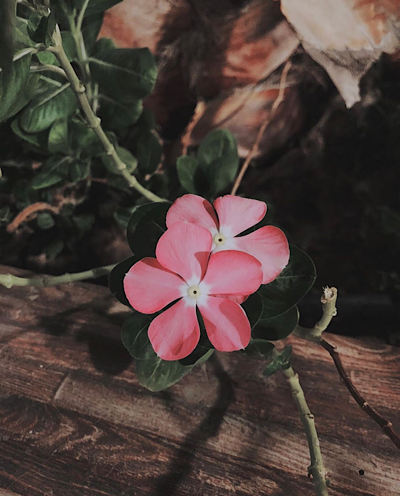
x=203, y=265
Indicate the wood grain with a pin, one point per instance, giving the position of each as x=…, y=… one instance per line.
x=75, y=422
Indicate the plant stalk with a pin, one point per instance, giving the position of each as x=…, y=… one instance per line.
x=95, y=122
x=316, y=469
x=9, y=281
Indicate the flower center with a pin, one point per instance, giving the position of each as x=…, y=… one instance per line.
x=194, y=292
x=219, y=239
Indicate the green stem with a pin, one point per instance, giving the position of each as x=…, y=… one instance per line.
x=314, y=334
x=48, y=67
x=95, y=123
x=9, y=281
x=316, y=469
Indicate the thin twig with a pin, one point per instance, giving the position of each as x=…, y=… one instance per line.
x=8, y=280
x=93, y=121
x=314, y=335
x=385, y=425
x=280, y=98
x=27, y=214
x=317, y=468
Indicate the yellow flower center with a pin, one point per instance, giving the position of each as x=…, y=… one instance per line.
x=194, y=292
x=219, y=239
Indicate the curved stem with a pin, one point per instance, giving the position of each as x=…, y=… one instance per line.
x=9, y=281
x=95, y=123
x=317, y=468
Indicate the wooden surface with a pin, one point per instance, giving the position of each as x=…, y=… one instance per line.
x=75, y=422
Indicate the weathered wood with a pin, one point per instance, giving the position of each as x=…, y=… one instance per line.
x=75, y=422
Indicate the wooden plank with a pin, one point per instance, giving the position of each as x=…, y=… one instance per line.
x=74, y=420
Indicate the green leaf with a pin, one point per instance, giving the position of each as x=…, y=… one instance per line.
x=145, y=227
x=219, y=158
x=259, y=348
x=15, y=85
x=281, y=361
x=84, y=140
x=56, y=102
x=38, y=140
x=46, y=57
x=125, y=74
x=58, y=137
x=90, y=31
x=125, y=155
x=78, y=170
x=116, y=279
x=7, y=23
x=290, y=286
x=253, y=307
x=279, y=327
x=53, y=172
x=83, y=222
x=187, y=167
x=122, y=216
x=99, y=6
x=157, y=374
x=148, y=150
x=41, y=27
x=53, y=249
x=135, y=337
x=45, y=221
x=116, y=115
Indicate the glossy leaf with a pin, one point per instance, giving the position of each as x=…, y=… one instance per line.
x=45, y=221
x=115, y=282
x=41, y=27
x=52, y=172
x=78, y=170
x=125, y=155
x=58, y=137
x=253, y=307
x=125, y=74
x=259, y=348
x=38, y=140
x=290, y=286
x=116, y=115
x=99, y=6
x=157, y=374
x=7, y=22
x=135, y=337
x=145, y=227
x=56, y=102
x=279, y=327
x=187, y=168
x=148, y=150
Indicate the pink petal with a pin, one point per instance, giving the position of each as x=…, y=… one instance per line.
x=149, y=287
x=175, y=333
x=227, y=325
x=194, y=209
x=232, y=273
x=237, y=214
x=237, y=298
x=184, y=248
x=270, y=246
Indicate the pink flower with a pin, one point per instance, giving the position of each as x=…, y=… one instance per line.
x=232, y=216
x=185, y=271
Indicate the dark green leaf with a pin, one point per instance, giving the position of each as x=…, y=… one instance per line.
x=83, y=222
x=253, y=307
x=125, y=74
x=102, y=45
x=135, y=336
x=57, y=102
x=14, y=87
x=290, y=286
x=100, y=6
x=90, y=31
x=122, y=216
x=39, y=140
x=157, y=374
x=148, y=150
x=219, y=158
x=259, y=348
x=116, y=115
x=53, y=249
x=41, y=27
x=78, y=170
x=145, y=227
x=278, y=327
x=186, y=167
x=281, y=361
x=116, y=279
x=58, y=137
x=45, y=221
x=53, y=172
x=46, y=57
x=84, y=140
x=7, y=23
